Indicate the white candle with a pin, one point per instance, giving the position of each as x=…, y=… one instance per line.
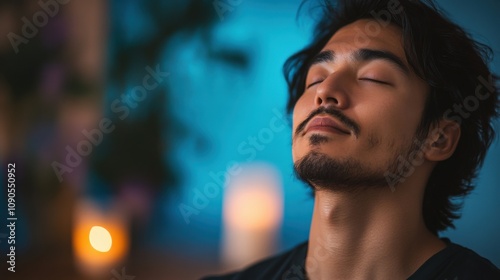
x=253, y=210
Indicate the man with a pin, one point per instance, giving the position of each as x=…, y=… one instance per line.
x=392, y=107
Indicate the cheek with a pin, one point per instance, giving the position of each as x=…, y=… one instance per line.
x=404, y=120
x=389, y=124
x=299, y=112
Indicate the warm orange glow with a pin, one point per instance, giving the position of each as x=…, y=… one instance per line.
x=100, y=241
x=253, y=208
x=254, y=199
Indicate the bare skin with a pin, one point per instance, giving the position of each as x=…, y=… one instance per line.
x=376, y=233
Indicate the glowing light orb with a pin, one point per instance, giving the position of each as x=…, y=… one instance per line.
x=100, y=239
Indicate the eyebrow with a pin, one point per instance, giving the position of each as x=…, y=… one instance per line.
x=324, y=56
x=363, y=55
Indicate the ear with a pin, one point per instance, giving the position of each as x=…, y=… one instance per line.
x=442, y=140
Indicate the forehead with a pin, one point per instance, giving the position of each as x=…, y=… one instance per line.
x=367, y=33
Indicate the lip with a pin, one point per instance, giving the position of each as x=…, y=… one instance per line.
x=326, y=124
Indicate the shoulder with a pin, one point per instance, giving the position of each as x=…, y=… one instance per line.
x=470, y=264
x=457, y=262
x=276, y=267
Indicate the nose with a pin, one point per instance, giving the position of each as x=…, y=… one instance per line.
x=333, y=91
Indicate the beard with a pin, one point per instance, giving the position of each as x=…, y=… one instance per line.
x=322, y=172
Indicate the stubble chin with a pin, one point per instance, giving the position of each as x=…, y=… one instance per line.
x=322, y=172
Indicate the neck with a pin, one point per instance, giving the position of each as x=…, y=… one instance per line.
x=372, y=234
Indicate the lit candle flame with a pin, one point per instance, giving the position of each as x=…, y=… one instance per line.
x=100, y=239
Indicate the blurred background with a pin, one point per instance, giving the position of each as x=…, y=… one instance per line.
x=151, y=142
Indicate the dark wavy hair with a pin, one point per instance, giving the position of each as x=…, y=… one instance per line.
x=455, y=68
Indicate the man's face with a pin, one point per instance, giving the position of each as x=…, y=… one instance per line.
x=360, y=109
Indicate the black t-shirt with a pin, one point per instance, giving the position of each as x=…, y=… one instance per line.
x=452, y=263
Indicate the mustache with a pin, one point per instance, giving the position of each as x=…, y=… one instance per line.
x=331, y=112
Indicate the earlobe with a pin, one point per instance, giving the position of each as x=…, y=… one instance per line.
x=443, y=140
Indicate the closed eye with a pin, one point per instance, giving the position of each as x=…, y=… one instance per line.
x=375, y=81
x=314, y=83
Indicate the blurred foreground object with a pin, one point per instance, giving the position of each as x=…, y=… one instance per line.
x=253, y=211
